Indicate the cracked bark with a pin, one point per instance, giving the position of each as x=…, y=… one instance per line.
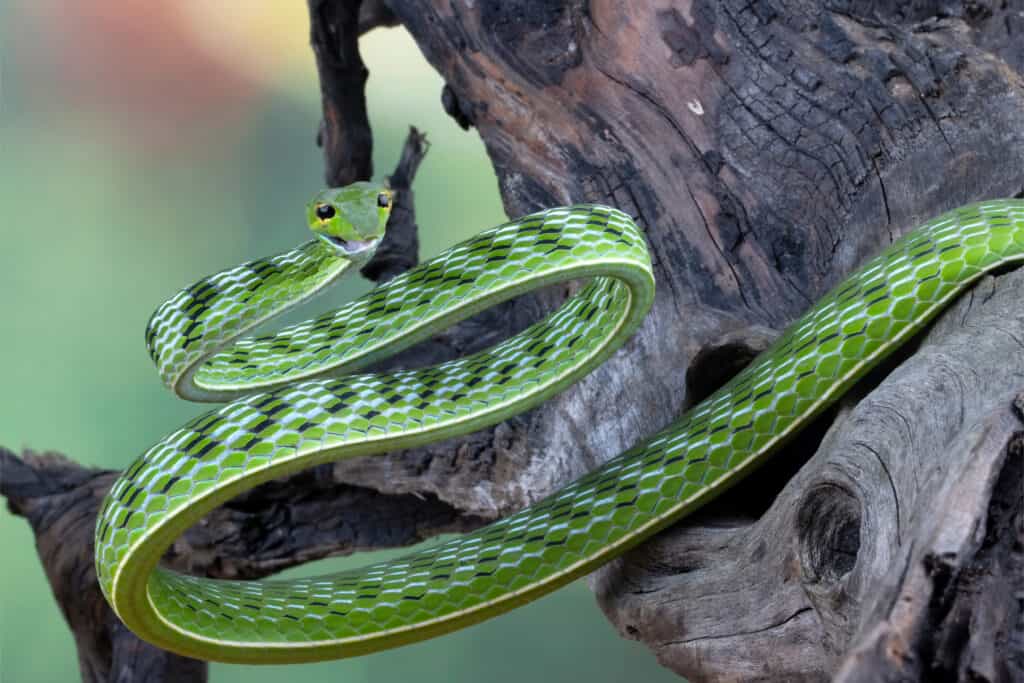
x=883, y=544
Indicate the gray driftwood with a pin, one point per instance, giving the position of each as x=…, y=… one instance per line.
x=767, y=147
x=893, y=554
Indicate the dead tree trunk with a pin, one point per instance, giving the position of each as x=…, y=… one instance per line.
x=767, y=147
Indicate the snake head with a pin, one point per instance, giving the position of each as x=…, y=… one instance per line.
x=351, y=219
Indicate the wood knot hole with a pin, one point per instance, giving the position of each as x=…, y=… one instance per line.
x=828, y=525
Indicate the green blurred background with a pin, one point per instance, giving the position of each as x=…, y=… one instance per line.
x=144, y=145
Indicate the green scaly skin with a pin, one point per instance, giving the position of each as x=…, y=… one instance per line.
x=296, y=418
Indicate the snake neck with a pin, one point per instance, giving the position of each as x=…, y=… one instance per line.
x=186, y=334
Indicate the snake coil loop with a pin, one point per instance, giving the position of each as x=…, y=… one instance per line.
x=293, y=408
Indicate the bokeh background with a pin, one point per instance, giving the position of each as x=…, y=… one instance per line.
x=144, y=145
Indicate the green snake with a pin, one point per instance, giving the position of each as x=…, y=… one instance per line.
x=297, y=402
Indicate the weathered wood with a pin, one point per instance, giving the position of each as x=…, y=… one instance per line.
x=345, y=133
x=892, y=541
x=767, y=147
x=60, y=499
x=693, y=116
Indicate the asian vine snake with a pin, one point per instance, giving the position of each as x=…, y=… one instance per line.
x=293, y=408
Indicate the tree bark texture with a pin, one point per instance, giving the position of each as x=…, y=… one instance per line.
x=767, y=147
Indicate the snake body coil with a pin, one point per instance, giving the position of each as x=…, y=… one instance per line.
x=304, y=413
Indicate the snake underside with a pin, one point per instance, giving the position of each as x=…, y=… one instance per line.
x=295, y=408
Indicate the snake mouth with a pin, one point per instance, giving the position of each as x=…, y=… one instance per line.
x=351, y=247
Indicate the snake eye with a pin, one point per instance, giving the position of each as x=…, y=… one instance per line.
x=324, y=212
x=383, y=200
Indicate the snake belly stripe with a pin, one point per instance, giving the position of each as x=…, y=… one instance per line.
x=290, y=425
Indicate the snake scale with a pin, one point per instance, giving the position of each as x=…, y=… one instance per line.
x=297, y=400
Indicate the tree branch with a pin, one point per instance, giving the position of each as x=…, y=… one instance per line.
x=345, y=129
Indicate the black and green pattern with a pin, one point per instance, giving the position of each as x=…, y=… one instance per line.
x=464, y=580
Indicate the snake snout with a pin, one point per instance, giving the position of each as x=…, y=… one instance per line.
x=351, y=247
